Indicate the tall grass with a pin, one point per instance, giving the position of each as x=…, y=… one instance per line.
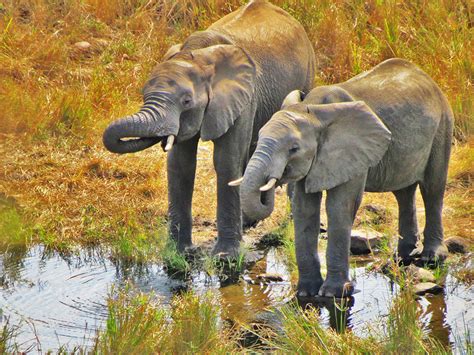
x=7, y=338
x=137, y=324
x=302, y=333
x=52, y=87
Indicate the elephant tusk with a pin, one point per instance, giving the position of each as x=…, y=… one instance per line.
x=269, y=185
x=169, y=143
x=236, y=182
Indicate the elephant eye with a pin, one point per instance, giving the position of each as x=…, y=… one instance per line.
x=187, y=100
x=294, y=149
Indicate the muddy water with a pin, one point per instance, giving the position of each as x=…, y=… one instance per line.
x=61, y=299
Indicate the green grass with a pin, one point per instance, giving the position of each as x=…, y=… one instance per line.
x=405, y=334
x=175, y=262
x=139, y=324
x=7, y=338
x=302, y=333
x=14, y=229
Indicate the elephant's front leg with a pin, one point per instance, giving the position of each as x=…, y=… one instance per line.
x=230, y=154
x=181, y=174
x=306, y=215
x=341, y=206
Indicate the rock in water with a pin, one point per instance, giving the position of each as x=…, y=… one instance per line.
x=270, y=277
x=427, y=287
x=364, y=241
x=419, y=274
x=252, y=256
x=456, y=245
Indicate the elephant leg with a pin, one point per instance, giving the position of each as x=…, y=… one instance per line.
x=407, y=223
x=181, y=174
x=432, y=190
x=230, y=156
x=306, y=215
x=342, y=204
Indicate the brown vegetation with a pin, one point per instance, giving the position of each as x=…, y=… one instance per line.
x=57, y=95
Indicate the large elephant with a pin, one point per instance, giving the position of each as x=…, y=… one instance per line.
x=221, y=84
x=387, y=129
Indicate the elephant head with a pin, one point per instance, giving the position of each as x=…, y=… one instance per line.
x=192, y=91
x=326, y=145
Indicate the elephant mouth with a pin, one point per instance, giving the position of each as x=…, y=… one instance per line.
x=265, y=197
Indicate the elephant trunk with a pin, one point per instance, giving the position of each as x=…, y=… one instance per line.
x=154, y=122
x=256, y=204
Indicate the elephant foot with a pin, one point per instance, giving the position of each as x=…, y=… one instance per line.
x=309, y=287
x=433, y=257
x=337, y=288
x=407, y=255
x=226, y=249
x=192, y=250
x=181, y=245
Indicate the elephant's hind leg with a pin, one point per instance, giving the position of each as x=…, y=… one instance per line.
x=407, y=223
x=181, y=174
x=432, y=190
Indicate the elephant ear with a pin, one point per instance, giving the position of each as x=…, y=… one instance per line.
x=232, y=76
x=294, y=97
x=353, y=139
x=172, y=51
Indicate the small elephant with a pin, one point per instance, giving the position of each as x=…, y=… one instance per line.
x=222, y=84
x=387, y=129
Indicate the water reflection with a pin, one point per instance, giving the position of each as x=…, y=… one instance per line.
x=61, y=298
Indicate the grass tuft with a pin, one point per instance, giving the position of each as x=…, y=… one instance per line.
x=137, y=323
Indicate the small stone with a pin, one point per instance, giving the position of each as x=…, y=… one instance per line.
x=374, y=208
x=364, y=241
x=419, y=274
x=253, y=256
x=427, y=287
x=456, y=245
x=248, y=279
x=82, y=45
x=270, y=277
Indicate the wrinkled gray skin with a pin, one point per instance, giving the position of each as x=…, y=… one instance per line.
x=388, y=129
x=222, y=84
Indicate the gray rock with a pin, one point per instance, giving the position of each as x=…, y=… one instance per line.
x=456, y=245
x=252, y=256
x=374, y=208
x=419, y=274
x=427, y=287
x=364, y=241
x=267, y=277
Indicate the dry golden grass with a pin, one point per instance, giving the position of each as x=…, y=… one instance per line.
x=57, y=98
